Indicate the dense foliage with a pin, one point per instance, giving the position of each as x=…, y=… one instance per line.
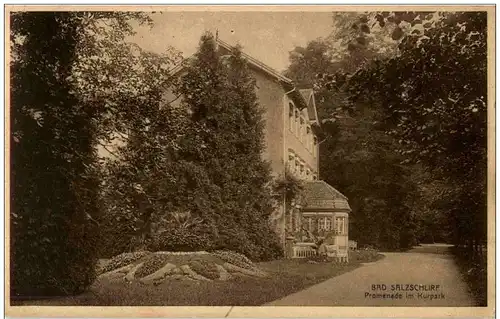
x=357, y=157
x=227, y=127
x=406, y=127
x=433, y=96
x=53, y=185
x=187, y=173
x=55, y=127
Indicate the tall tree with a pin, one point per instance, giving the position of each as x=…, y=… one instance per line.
x=220, y=92
x=54, y=131
x=434, y=96
x=53, y=188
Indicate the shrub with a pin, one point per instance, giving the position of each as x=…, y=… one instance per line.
x=256, y=243
x=56, y=260
x=364, y=255
x=319, y=258
x=268, y=243
x=474, y=270
x=115, y=238
x=178, y=239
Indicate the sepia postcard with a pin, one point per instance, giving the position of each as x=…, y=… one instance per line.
x=250, y=161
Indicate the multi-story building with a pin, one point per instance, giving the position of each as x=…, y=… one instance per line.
x=292, y=147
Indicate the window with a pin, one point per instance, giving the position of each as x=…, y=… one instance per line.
x=315, y=177
x=301, y=129
x=308, y=138
x=340, y=225
x=328, y=224
x=324, y=223
x=315, y=146
x=297, y=122
x=321, y=224
x=291, y=109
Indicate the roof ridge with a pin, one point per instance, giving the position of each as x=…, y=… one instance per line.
x=333, y=189
x=321, y=195
x=257, y=62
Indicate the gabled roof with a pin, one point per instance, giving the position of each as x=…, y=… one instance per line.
x=303, y=98
x=256, y=63
x=321, y=196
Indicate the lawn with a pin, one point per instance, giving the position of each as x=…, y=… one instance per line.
x=287, y=277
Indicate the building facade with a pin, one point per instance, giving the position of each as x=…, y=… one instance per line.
x=291, y=143
x=292, y=127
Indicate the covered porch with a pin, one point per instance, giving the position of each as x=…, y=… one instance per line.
x=319, y=223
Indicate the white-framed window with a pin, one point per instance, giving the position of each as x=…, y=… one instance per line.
x=321, y=224
x=340, y=227
x=328, y=224
x=301, y=129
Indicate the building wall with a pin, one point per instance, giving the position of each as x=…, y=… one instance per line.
x=270, y=96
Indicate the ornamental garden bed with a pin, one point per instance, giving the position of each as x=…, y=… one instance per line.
x=275, y=279
x=155, y=268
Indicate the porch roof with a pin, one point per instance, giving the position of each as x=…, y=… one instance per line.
x=321, y=196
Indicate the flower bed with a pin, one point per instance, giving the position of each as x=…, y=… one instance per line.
x=235, y=259
x=205, y=268
x=123, y=260
x=152, y=264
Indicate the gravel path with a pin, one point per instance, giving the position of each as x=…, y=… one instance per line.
x=430, y=265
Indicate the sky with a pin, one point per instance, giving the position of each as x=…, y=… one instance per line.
x=266, y=36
